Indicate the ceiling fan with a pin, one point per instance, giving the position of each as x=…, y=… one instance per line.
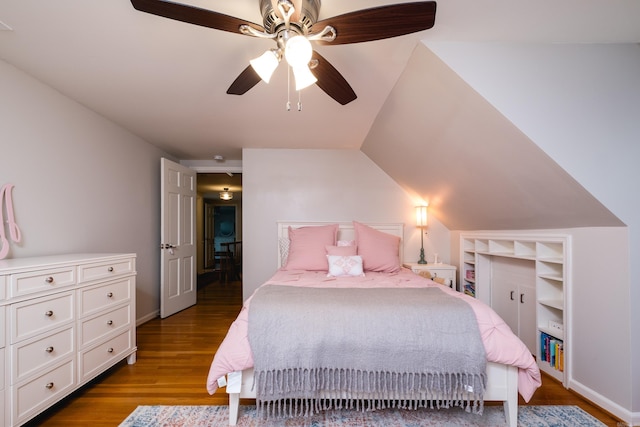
x=293, y=24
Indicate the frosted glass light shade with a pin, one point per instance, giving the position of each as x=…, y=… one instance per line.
x=265, y=65
x=304, y=77
x=298, y=51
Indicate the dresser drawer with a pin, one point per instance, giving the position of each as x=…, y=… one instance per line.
x=97, y=298
x=42, y=280
x=39, y=315
x=99, y=358
x=96, y=328
x=30, y=397
x=105, y=269
x=36, y=354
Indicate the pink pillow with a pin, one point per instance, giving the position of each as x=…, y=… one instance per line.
x=307, y=247
x=379, y=251
x=342, y=250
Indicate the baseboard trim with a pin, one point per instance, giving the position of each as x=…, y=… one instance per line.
x=145, y=319
x=626, y=416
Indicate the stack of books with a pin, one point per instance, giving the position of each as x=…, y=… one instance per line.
x=552, y=351
x=470, y=289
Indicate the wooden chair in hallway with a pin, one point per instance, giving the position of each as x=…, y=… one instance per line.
x=231, y=262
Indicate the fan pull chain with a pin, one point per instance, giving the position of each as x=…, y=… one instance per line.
x=289, y=92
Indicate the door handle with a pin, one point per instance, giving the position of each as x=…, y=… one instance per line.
x=168, y=246
x=511, y=295
x=521, y=298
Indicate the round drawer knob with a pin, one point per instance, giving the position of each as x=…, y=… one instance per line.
x=109, y=322
x=110, y=350
x=49, y=279
x=49, y=386
x=110, y=269
x=110, y=295
x=49, y=350
x=49, y=313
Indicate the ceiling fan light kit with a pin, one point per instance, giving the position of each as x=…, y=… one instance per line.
x=287, y=20
x=298, y=51
x=304, y=77
x=266, y=64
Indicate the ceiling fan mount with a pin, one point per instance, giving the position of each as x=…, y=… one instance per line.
x=304, y=15
x=289, y=20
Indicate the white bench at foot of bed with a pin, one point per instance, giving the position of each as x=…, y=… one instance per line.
x=502, y=386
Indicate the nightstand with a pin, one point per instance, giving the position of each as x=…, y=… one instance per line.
x=444, y=271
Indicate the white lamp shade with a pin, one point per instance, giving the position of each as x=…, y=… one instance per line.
x=265, y=65
x=304, y=77
x=298, y=51
x=421, y=216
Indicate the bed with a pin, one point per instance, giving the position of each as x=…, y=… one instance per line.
x=510, y=367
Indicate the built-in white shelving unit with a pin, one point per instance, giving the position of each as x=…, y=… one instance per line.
x=550, y=257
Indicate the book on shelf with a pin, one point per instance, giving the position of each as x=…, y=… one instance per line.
x=552, y=351
x=470, y=289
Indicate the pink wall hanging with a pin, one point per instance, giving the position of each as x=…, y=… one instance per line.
x=6, y=204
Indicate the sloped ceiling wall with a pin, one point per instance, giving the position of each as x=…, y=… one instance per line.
x=444, y=143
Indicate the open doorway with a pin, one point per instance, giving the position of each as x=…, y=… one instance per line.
x=219, y=220
x=219, y=230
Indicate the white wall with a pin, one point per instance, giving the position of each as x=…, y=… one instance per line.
x=320, y=185
x=580, y=104
x=601, y=320
x=82, y=184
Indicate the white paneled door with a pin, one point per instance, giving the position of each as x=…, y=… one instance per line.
x=177, y=240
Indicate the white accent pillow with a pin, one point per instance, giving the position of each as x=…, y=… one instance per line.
x=345, y=265
x=284, y=250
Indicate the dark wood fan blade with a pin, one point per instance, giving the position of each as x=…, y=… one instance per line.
x=245, y=81
x=380, y=22
x=331, y=81
x=193, y=15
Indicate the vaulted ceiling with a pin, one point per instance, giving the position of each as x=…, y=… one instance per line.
x=477, y=170
x=166, y=81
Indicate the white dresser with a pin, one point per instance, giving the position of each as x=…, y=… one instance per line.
x=66, y=319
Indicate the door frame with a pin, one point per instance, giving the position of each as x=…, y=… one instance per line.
x=230, y=166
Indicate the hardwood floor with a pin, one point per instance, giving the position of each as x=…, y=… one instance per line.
x=174, y=355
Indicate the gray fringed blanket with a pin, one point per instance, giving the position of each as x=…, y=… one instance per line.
x=402, y=346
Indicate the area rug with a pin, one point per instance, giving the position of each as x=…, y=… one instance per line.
x=204, y=416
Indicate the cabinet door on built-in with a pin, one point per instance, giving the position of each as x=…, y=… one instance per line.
x=504, y=298
x=527, y=330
